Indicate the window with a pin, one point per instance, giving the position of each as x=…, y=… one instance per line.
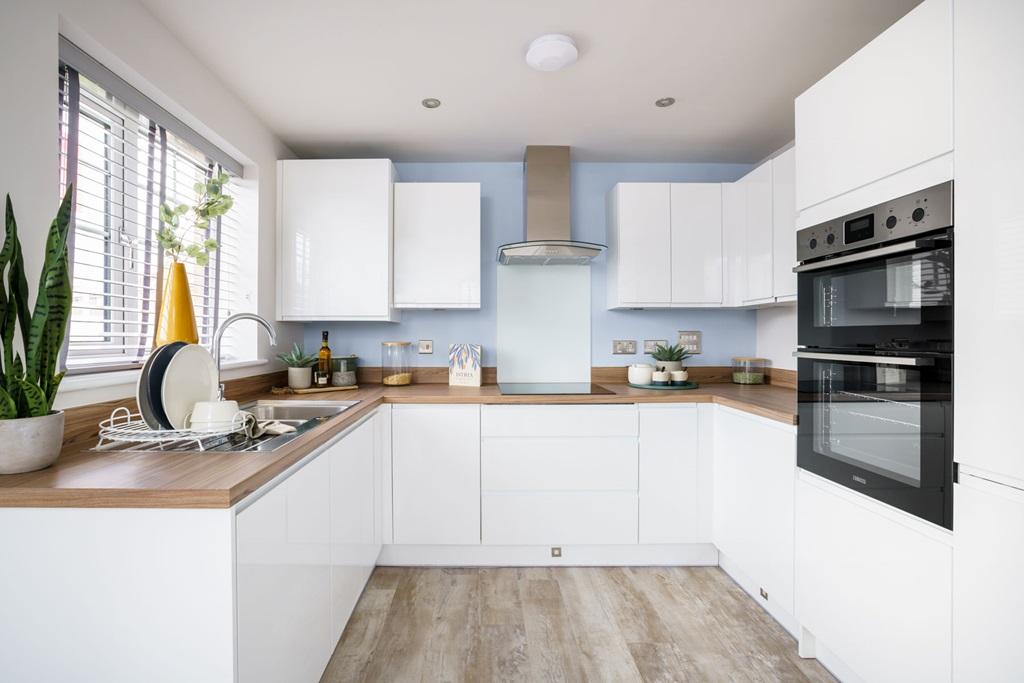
x=126, y=156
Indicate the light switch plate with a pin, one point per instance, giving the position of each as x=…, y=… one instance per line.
x=426, y=345
x=625, y=347
x=650, y=345
x=690, y=340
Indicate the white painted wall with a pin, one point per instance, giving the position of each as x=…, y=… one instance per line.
x=776, y=335
x=125, y=37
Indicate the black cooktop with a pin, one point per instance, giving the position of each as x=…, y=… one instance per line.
x=551, y=388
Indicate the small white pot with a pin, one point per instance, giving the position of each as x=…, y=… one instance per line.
x=30, y=443
x=668, y=365
x=300, y=378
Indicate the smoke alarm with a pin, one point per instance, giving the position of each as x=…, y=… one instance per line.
x=552, y=52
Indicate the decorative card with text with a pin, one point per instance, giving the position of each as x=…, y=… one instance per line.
x=464, y=367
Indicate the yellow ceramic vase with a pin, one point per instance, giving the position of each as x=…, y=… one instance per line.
x=177, y=318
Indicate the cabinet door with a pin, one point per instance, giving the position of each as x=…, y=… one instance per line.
x=283, y=579
x=437, y=245
x=643, y=234
x=874, y=584
x=784, y=224
x=436, y=469
x=988, y=563
x=758, y=231
x=734, y=241
x=885, y=109
x=989, y=159
x=334, y=239
x=696, y=221
x=669, y=453
x=354, y=546
x=754, y=471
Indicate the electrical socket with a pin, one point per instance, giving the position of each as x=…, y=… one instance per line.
x=624, y=347
x=426, y=346
x=650, y=345
x=690, y=340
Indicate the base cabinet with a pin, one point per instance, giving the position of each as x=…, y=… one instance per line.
x=874, y=585
x=436, y=474
x=752, y=522
x=671, y=490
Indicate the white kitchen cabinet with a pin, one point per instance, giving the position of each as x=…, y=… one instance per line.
x=734, y=228
x=752, y=522
x=696, y=243
x=560, y=518
x=437, y=245
x=334, y=239
x=874, y=585
x=670, y=495
x=989, y=63
x=887, y=108
x=639, y=245
x=988, y=563
x=758, y=243
x=355, y=543
x=436, y=474
x=784, y=225
x=283, y=579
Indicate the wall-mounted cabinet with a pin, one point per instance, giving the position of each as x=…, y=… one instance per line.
x=334, y=239
x=887, y=108
x=664, y=245
x=437, y=245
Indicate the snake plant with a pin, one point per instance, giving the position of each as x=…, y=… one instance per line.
x=28, y=387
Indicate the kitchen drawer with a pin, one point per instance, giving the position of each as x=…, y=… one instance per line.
x=559, y=518
x=566, y=420
x=559, y=464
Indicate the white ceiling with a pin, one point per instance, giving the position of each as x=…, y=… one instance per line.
x=345, y=77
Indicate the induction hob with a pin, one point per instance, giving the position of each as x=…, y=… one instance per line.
x=551, y=388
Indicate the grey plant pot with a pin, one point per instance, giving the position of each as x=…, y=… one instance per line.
x=300, y=378
x=30, y=443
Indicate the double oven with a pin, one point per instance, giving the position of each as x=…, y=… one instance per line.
x=875, y=352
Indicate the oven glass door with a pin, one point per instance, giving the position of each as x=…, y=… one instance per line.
x=881, y=428
x=903, y=301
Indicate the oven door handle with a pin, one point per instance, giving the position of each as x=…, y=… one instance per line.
x=856, y=358
x=929, y=242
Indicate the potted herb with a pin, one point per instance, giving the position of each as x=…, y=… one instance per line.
x=300, y=367
x=177, y=320
x=669, y=358
x=31, y=432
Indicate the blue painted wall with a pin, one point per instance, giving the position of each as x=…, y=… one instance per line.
x=727, y=333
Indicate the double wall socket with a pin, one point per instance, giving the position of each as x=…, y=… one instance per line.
x=690, y=340
x=624, y=347
x=651, y=345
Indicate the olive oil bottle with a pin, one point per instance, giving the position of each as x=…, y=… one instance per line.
x=323, y=366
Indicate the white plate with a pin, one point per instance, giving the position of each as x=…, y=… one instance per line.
x=191, y=377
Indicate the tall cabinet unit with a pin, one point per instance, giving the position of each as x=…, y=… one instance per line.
x=334, y=239
x=437, y=245
x=988, y=502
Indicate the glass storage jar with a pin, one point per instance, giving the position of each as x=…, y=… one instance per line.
x=746, y=370
x=343, y=371
x=396, y=363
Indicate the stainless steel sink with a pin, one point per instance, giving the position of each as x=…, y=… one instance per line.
x=283, y=411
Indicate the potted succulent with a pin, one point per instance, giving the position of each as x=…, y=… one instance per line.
x=300, y=367
x=669, y=358
x=31, y=432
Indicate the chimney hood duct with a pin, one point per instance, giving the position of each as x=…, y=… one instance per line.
x=548, y=226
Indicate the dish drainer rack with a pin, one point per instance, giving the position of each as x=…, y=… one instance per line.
x=124, y=428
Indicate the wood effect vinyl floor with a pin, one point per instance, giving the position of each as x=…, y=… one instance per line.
x=563, y=624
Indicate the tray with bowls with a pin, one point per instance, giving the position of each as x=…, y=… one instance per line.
x=676, y=386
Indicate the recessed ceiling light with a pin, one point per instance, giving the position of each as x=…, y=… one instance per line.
x=431, y=103
x=664, y=102
x=552, y=52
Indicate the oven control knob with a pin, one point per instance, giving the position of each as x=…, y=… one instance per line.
x=814, y=243
x=831, y=239
x=890, y=222
x=918, y=214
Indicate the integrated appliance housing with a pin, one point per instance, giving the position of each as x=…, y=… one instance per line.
x=875, y=355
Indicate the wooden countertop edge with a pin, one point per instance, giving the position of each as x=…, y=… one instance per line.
x=214, y=495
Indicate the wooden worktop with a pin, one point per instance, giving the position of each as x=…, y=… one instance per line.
x=84, y=478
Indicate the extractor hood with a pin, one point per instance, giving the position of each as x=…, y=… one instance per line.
x=548, y=227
